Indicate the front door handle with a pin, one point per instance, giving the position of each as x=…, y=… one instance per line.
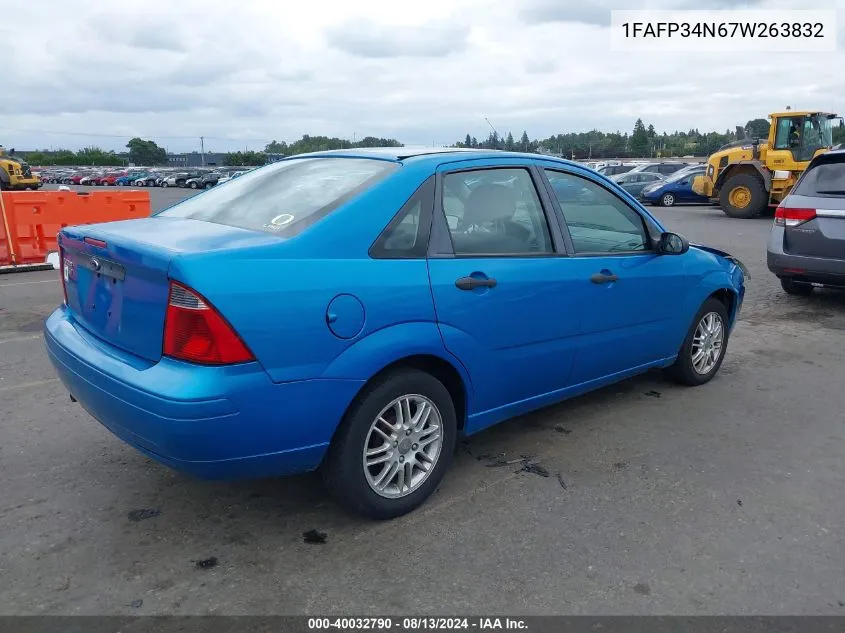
x=604, y=277
x=470, y=283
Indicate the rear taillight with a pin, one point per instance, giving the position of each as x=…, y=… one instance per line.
x=195, y=332
x=63, y=272
x=788, y=216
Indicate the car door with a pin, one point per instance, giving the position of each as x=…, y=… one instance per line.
x=627, y=293
x=501, y=286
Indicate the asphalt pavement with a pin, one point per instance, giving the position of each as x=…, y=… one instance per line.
x=722, y=499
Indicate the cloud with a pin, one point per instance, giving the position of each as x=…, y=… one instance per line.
x=420, y=72
x=597, y=12
x=366, y=38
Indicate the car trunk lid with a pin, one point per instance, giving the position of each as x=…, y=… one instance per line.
x=116, y=274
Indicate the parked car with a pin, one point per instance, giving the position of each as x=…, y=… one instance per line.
x=806, y=247
x=615, y=168
x=110, y=180
x=695, y=168
x=173, y=180
x=201, y=364
x=664, y=168
x=676, y=189
x=634, y=181
x=209, y=180
x=129, y=179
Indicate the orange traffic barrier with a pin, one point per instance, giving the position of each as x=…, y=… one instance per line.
x=33, y=219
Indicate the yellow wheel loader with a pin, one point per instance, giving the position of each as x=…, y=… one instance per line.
x=15, y=174
x=748, y=176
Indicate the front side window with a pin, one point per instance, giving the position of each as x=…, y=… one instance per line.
x=598, y=221
x=788, y=135
x=285, y=197
x=495, y=212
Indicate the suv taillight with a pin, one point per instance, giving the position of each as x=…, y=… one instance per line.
x=787, y=216
x=195, y=332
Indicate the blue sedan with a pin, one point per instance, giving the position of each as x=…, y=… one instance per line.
x=677, y=189
x=357, y=311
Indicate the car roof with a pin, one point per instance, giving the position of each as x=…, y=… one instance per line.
x=434, y=154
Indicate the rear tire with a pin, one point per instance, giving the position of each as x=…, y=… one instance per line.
x=667, y=200
x=743, y=196
x=353, y=484
x=792, y=287
x=691, y=368
x=193, y=185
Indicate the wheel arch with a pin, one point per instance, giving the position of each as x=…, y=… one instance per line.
x=751, y=167
x=371, y=357
x=435, y=366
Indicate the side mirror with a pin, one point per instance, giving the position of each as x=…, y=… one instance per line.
x=672, y=244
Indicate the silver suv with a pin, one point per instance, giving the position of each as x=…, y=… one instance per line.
x=807, y=244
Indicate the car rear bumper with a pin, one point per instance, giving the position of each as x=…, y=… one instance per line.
x=212, y=422
x=822, y=270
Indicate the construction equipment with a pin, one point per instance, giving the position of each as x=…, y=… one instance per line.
x=15, y=174
x=749, y=175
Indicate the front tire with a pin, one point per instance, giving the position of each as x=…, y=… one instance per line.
x=792, y=287
x=704, y=347
x=743, y=196
x=393, y=447
x=193, y=185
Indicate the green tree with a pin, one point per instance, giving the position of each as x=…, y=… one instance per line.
x=241, y=159
x=524, y=142
x=510, y=145
x=757, y=128
x=650, y=131
x=639, y=140
x=274, y=147
x=146, y=153
x=468, y=141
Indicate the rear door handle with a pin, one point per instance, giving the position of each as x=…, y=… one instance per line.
x=470, y=283
x=603, y=278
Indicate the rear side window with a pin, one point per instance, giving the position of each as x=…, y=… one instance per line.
x=825, y=179
x=286, y=197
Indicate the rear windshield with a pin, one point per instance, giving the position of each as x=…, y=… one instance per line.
x=826, y=179
x=286, y=197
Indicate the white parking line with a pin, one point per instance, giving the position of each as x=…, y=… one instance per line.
x=22, y=338
x=27, y=283
x=27, y=385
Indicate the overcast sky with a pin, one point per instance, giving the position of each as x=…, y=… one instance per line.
x=422, y=71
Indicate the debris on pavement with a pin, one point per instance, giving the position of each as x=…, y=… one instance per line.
x=562, y=429
x=313, y=537
x=739, y=502
x=136, y=604
x=620, y=465
x=143, y=513
x=561, y=481
x=206, y=563
x=502, y=462
x=642, y=588
x=652, y=394
x=534, y=469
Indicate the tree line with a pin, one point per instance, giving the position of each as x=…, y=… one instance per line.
x=643, y=142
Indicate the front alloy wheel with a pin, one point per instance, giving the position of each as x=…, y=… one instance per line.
x=403, y=446
x=707, y=343
x=704, y=347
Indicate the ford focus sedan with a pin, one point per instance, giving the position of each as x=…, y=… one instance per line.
x=357, y=311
